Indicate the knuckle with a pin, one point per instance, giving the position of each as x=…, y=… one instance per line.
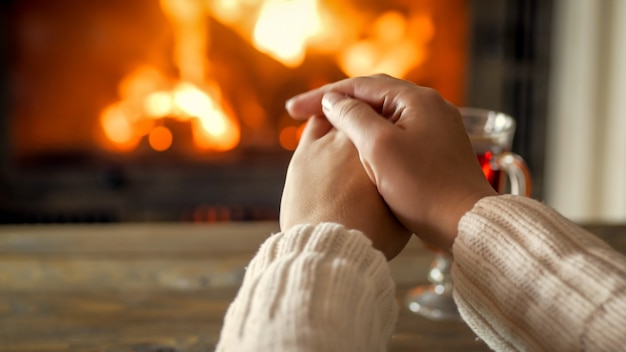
x=430, y=94
x=348, y=109
x=433, y=96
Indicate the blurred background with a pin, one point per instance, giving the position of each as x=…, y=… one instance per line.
x=173, y=110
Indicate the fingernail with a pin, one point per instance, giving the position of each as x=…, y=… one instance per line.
x=329, y=100
x=288, y=104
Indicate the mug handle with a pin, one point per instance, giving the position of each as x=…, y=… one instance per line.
x=516, y=170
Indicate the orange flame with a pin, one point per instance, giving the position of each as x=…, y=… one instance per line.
x=283, y=28
x=394, y=43
x=287, y=30
x=190, y=36
x=146, y=99
x=391, y=47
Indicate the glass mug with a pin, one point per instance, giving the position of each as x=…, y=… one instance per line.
x=491, y=134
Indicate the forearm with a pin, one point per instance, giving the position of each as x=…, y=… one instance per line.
x=528, y=279
x=313, y=288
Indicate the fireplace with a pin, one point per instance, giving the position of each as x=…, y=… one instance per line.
x=172, y=110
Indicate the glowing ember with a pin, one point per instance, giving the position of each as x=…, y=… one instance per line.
x=118, y=128
x=160, y=138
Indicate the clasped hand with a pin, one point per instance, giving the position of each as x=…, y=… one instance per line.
x=379, y=151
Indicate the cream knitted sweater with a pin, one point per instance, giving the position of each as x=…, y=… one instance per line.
x=525, y=279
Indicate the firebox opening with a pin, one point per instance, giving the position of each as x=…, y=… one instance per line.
x=154, y=109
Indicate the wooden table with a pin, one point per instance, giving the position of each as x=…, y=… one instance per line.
x=163, y=287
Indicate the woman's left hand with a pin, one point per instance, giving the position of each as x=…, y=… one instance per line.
x=326, y=183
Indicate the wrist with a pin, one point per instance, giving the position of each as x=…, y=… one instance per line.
x=446, y=220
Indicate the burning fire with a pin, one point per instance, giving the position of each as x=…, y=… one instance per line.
x=146, y=104
x=146, y=107
x=286, y=30
x=395, y=45
x=283, y=28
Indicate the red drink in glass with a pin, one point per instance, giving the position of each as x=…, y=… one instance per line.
x=493, y=176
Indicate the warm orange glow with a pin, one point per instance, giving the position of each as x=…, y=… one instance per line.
x=231, y=11
x=159, y=104
x=289, y=137
x=393, y=47
x=205, y=139
x=191, y=37
x=116, y=125
x=140, y=82
x=393, y=43
x=212, y=128
x=163, y=62
x=283, y=28
x=118, y=128
x=192, y=102
x=148, y=96
x=422, y=27
x=160, y=138
x=357, y=41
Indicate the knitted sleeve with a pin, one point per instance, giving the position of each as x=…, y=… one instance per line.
x=313, y=288
x=527, y=279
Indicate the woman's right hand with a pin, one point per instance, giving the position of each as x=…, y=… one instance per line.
x=413, y=146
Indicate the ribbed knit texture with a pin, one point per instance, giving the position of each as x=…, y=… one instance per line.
x=527, y=279
x=313, y=288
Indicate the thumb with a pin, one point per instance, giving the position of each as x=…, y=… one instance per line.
x=359, y=121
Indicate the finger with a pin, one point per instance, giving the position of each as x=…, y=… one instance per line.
x=354, y=118
x=304, y=105
x=374, y=90
x=316, y=128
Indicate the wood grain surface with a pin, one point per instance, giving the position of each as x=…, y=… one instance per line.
x=164, y=287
